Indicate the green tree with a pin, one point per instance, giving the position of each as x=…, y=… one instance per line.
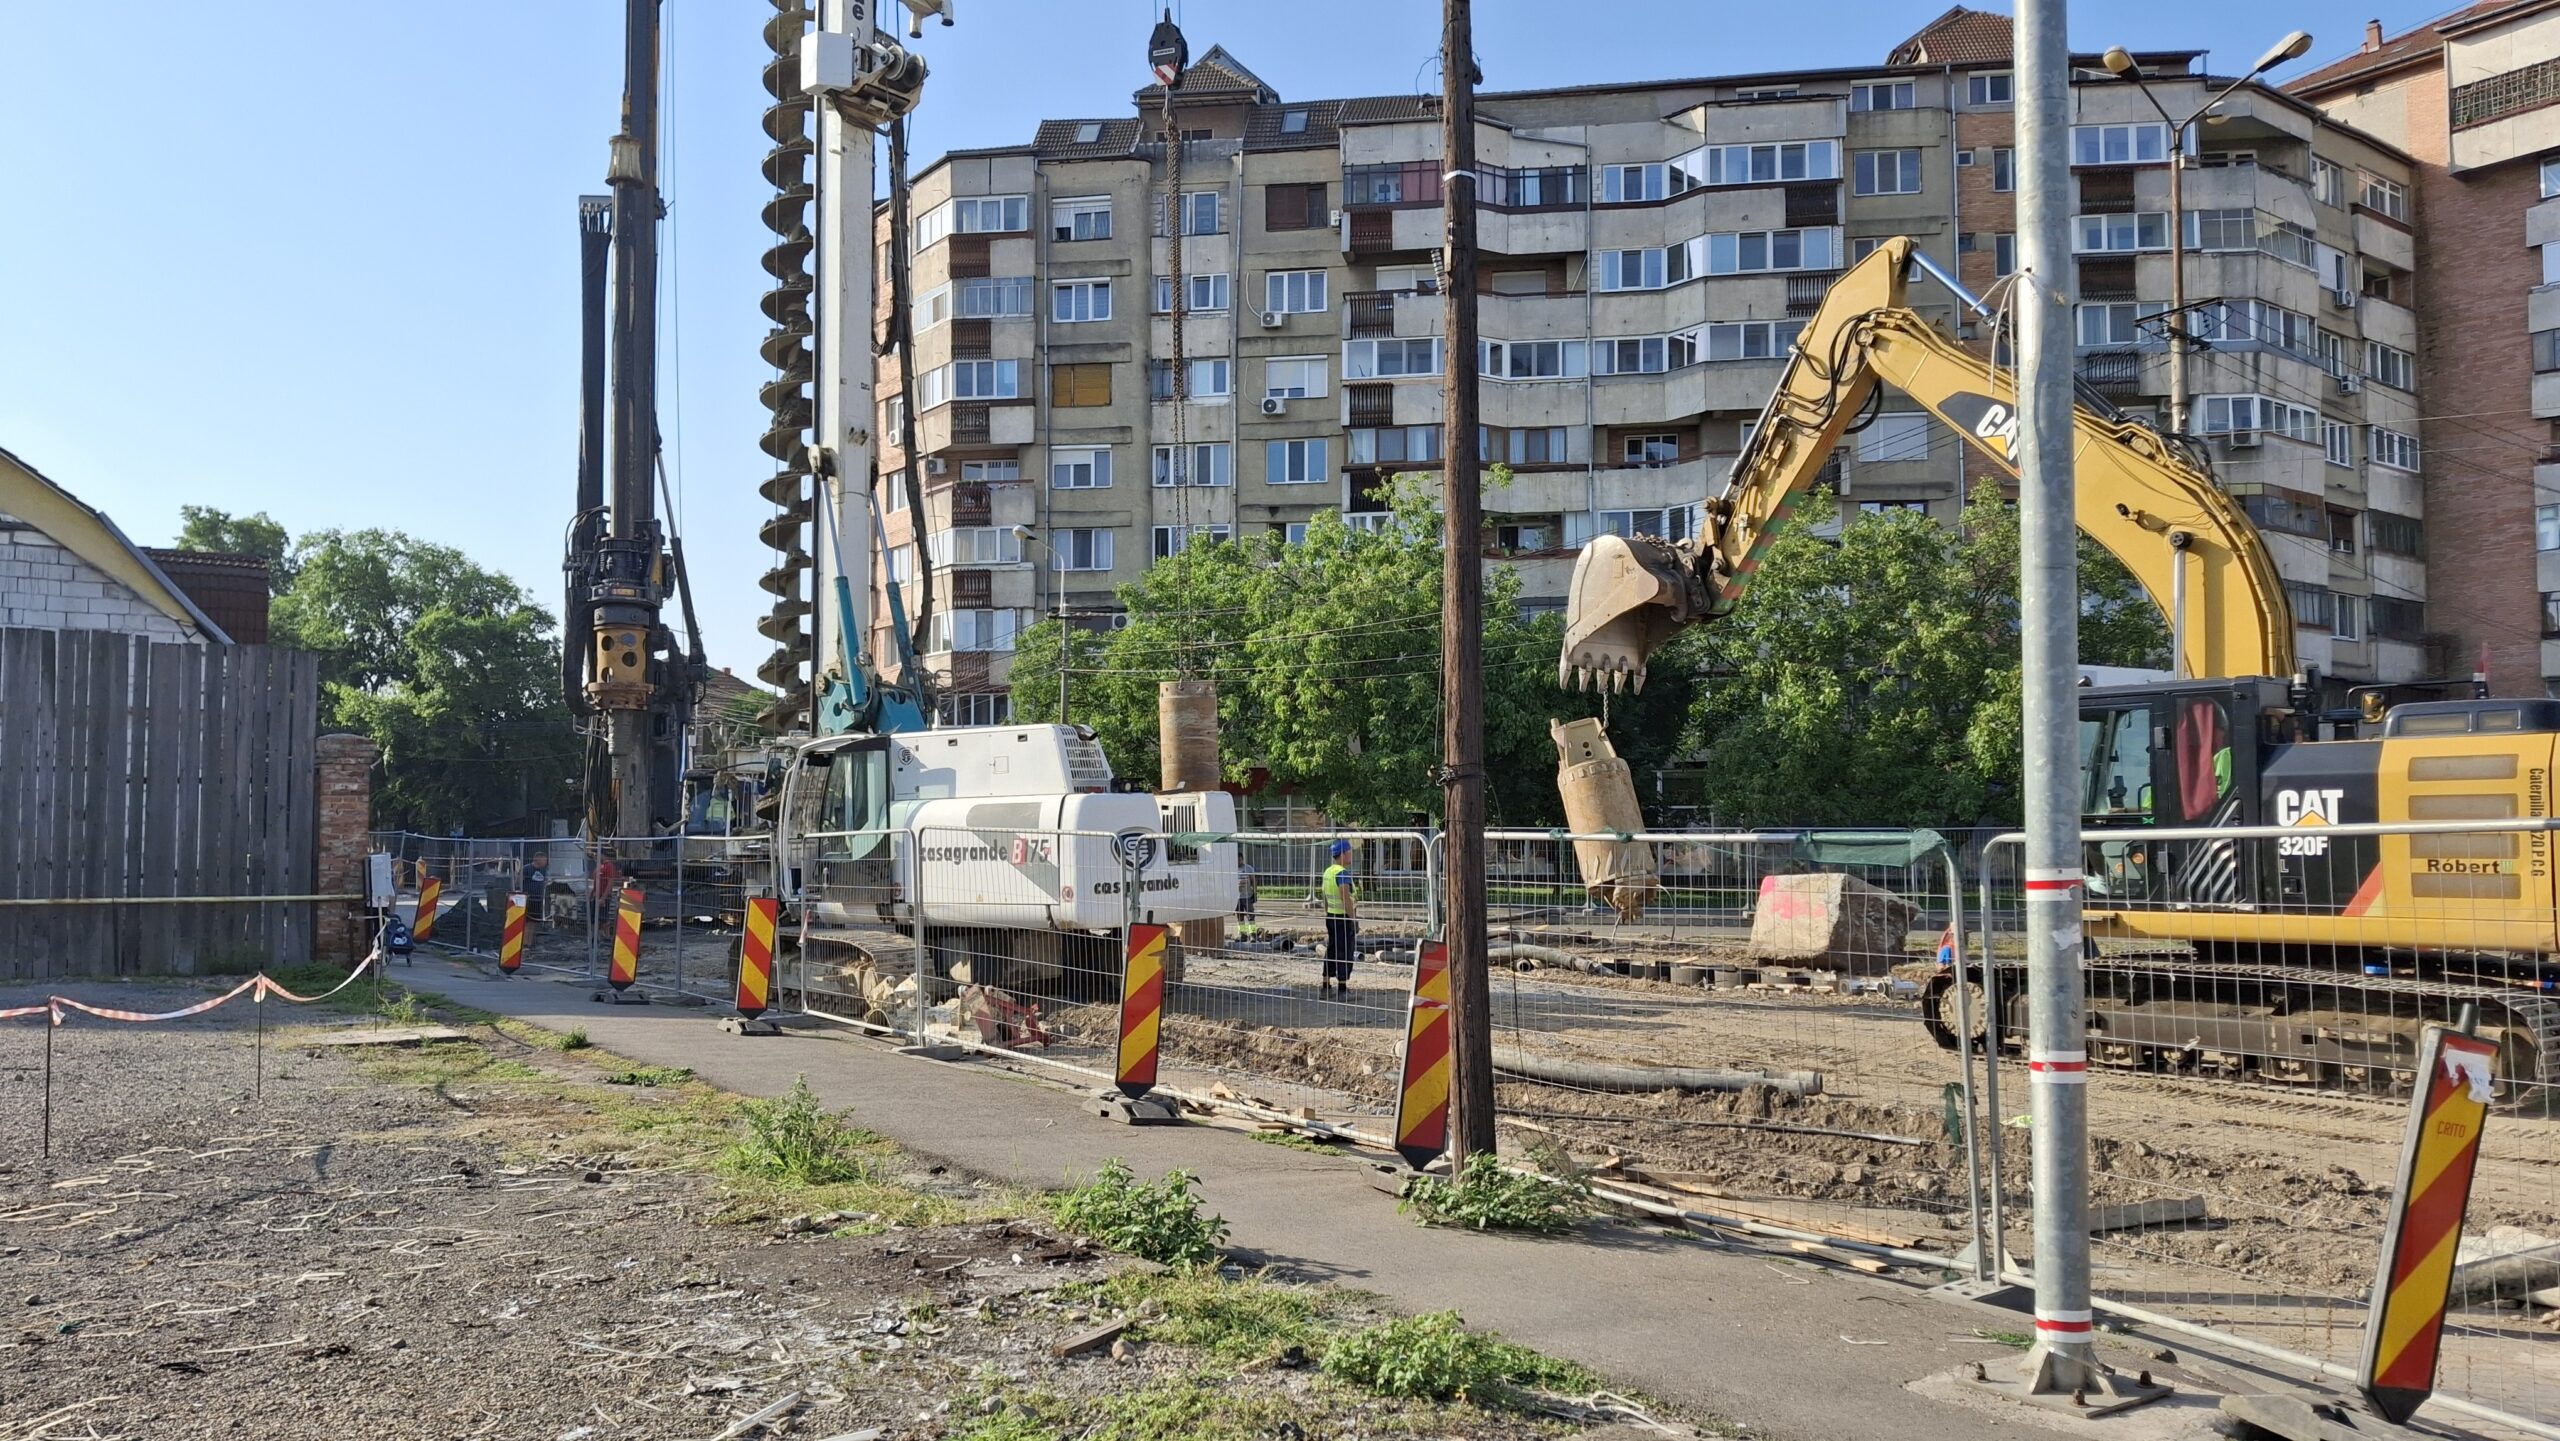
x=202, y=527
x=357, y=595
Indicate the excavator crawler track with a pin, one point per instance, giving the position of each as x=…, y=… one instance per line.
x=2291, y=1028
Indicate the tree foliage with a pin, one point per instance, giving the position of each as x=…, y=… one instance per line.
x=449, y=667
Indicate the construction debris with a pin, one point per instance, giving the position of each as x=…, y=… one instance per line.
x=1832, y=918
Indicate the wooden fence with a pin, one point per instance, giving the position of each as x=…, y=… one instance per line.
x=133, y=770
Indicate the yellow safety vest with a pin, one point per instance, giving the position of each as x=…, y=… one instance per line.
x=1336, y=879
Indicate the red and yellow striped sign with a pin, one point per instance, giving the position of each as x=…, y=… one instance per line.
x=2401, y=1335
x=755, y=956
x=626, y=941
x=511, y=940
x=1422, y=1105
x=1141, y=1009
x=430, y=891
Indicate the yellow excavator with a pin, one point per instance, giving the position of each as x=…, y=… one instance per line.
x=2312, y=960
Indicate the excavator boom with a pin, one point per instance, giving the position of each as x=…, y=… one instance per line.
x=2139, y=495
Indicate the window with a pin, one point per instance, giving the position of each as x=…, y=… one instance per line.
x=1386, y=445
x=2143, y=230
x=1293, y=122
x=1677, y=522
x=1299, y=377
x=2550, y=262
x=1631, y=269
x=1621, y=184
x=1412, y=182
x=2117, y=325
x=1379, y=359
x=902, y=564
x=2390, y=534
x=1209, y=464
x=974, y=545
x=1086, y=549
x=1088, y=131
x=1888, y=507
x=933, y=307
x=1547, y=188
x=1203, y=212
x=976, y=708
x=2004, y=253
x=1071, y=385
x=2387, y=366
x=1295, y=292
x=1172, y=540
x=2551, y=177
x=2396, y=449
x=2332, y=352
x=1659, y=449
x=974, y=630
x=2550, y=614
x=1752, y=339
x=965, y=380
x=2241, y=414
x=2546, y=351
x=1080, y=469
x=1208, y=292
x=1895, y=435
x=1765, y=92
x=1530, y=359
x=1535, y=445
x=1212, y=379
x=2328, y=183
x=991, y=298
x=1644, y=355
x=990, y=470
x=2223, y=229
x=2286, y=513
x=1525, y=537
x=2143, y=144
x=1989, y=87
x=1863, y=246
x=2004, y=169
x=2401, y=620
x=1075, y=301
x=1882, y=95
x=1084, y=218
x=2255, y=322
x=1756, y=164
x=2346, y=619
x=893, y=412
x=1295, y=207
x=1295, y=462
x=2338, y=442
x=1887, y=172
x=2384, y=197
x=2546, y=527
x=971, y=215
x=893, y=484
x=1294, y=533
x=2311, y=605
x=2342, y=531
x=1744, y=252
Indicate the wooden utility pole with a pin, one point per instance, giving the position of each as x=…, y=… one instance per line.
x=1462, y=608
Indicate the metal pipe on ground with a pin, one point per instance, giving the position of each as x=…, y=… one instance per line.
x=1595, y=1076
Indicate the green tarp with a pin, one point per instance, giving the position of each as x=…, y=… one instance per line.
x=1867, y=848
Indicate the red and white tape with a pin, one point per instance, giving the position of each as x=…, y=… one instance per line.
x=258, y=985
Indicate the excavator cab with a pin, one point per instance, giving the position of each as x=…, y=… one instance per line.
x=2177, y=755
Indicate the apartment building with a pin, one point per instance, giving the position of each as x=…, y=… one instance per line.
x=2475, y=97
x=1649, y=252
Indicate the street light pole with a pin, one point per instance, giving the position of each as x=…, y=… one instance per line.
x=1057, y=610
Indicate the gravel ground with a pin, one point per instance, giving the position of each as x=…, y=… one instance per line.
x=479, y=1238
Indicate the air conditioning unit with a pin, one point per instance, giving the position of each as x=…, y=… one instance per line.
x=1273, y=320
x=1274, y=405
x=1334, y=220
x=2243, y=439
x=2350, y=384
x=935, y=465
x=2343, y=299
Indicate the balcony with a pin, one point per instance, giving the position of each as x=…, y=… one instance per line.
x=971, y=589
x=2116, y=374
x=969, y=422
x=2108, y=192
x=972, y=503
x=1813, y=203
x=973, y=340
x=1805, y=292
x=1370, y=405
x=1372, y=313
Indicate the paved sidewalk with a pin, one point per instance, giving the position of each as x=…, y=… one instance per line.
x=1788, y=1351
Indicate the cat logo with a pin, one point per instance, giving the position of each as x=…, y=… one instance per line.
x=1991, y=424
x=2308, y=808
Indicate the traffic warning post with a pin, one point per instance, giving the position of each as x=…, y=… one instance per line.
x=624, y=969
x=1141, y=1031
x=755, y=969
x=430, y=890
x=1422, y=1102
x=511, y=939
x=2403, y=1332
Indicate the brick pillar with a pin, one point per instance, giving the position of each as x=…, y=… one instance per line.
x=339, y=844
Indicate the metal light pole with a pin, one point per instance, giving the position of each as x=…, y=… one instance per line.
x=2120, y=63
x=1057, y=609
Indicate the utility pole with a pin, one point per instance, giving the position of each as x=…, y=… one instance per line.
x=1462, y=606
x=626, y=585
x=2063, y=1369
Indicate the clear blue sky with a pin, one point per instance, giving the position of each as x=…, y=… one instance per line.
x=321, y=260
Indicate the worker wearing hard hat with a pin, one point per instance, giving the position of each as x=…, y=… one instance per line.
x=1341, y=921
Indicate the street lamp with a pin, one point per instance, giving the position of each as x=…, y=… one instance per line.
x=1057, y=607
x=2121, y=64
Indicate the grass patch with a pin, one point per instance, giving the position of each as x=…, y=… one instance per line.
x=649, y=1076
x=1489, y=1196
x=1173, y=1408
x=1238, y=1321
x=575, y=1039
x=797, y=1142
x=1296, y=1141
x=1155, y=1220
x=2015, y=1340
x=1434, y=1357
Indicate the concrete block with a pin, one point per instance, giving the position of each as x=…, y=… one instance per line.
x=1831, y=918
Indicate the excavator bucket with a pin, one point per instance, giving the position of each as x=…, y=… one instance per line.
x=1628, y=596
